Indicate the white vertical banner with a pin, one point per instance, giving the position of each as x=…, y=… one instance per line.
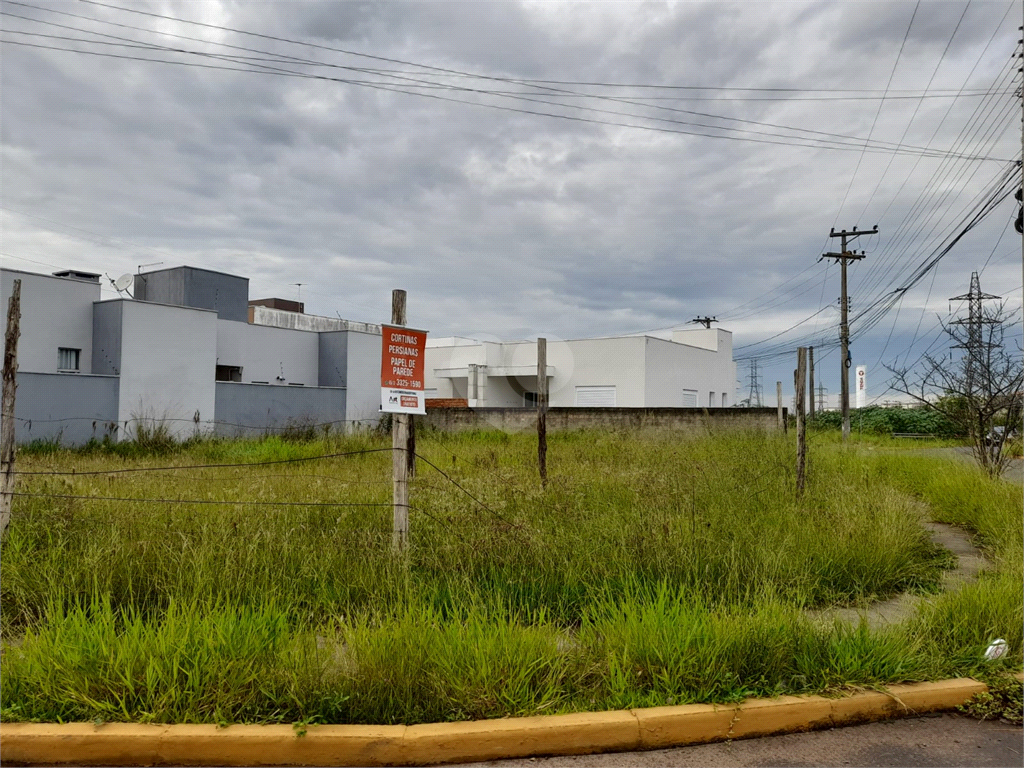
x=862, y=386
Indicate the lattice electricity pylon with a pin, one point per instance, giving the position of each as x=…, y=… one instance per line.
x=754, y=400
x=822, y=397
x=975, y=321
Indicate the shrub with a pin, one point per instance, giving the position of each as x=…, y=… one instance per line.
x=886, y=420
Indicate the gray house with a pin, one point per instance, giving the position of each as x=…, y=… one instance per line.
x=189, y=351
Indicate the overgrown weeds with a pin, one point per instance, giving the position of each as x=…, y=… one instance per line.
x=653, y=569
x=1004, y=700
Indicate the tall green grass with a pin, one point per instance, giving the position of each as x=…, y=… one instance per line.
x=718, y=518
x=218, y=664
x=653, y=569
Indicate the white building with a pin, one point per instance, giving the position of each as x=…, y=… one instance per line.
x=189, y=351
x=693, y=369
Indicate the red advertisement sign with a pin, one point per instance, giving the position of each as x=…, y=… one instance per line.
x=402, y=369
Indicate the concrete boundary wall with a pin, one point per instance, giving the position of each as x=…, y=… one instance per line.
x=255, y=409
x=69, y=407
x=673, y=419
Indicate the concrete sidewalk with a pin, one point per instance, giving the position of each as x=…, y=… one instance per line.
x=942, y=740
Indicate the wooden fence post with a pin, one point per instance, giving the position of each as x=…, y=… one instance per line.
x=782, y=419
x=800, y=380
x=10, y=384
x=400, y=458
x=542, y=409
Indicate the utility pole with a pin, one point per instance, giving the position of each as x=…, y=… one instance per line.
x=810, y=389
x=542, y=409
x=754, y=399
x=705, y=321
x=843, y=257
x=10, y=384
x=400, y=458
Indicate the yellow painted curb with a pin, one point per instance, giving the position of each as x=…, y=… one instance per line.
x=620, y=731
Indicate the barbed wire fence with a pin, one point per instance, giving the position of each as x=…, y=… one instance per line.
x=434, y=450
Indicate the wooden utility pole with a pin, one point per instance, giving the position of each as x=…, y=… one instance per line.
x=10, y=384
x=800, y=380
x=542, y=409
x=400, y=455
x=778, y=395
x=810, y=388
x=843, y=257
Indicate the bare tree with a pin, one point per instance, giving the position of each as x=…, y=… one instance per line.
x=978, y=392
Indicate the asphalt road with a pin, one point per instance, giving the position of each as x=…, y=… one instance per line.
x=942, y=740
x=1014, y=472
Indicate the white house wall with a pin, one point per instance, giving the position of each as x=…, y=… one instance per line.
x=55, y=312
x=672, y=368
x=715, y=339
x=645, y=371
x=614, y=362
x=363, y=379
x=265, y=353
x=459, y=354
x=617, y=362
x=168, y=360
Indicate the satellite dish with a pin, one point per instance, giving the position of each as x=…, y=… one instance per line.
x=124, y=281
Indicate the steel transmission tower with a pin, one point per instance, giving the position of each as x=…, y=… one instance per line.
x=754, y=400
x=975, y=321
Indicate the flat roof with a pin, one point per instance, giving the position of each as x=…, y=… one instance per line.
x=187, y=266
x=52, y=276
x=154, y=303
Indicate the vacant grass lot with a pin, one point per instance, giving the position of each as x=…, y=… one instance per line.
x=653, y=569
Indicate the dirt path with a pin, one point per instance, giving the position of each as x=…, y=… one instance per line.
x=970, y=562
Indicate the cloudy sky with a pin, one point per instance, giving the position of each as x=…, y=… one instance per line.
x=524, y=169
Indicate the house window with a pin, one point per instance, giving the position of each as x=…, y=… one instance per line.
x=724, y=402
x=530, y=399
x=711, y=399
x=689, y=398
x=595, y=397
x=68, y=359
x=228, y=373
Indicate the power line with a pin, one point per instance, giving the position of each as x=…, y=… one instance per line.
x=980, y=208
x=449, y=478
x=939, y=176
x=878, y=112
x=390, y=87
x=143, y=500
x=285, y=58
x=882, y=262
x=794, y=141
x=176, y=468
x=910, y=122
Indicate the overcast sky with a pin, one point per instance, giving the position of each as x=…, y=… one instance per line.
x=610, y=217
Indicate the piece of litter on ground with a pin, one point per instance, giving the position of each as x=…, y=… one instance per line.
x=995, y=650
